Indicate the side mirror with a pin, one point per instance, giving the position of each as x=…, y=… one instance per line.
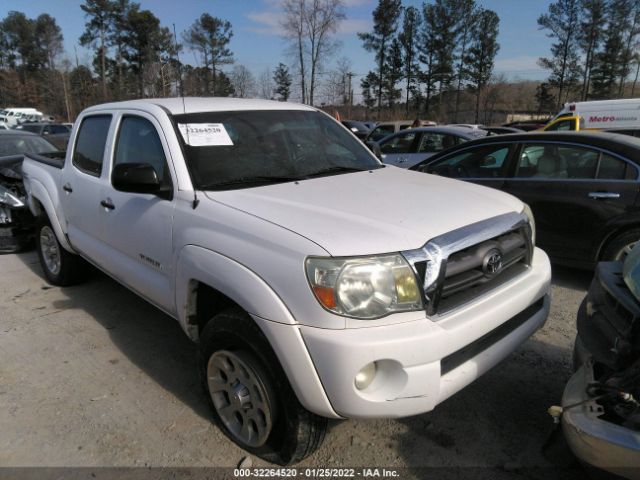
x=135, y=178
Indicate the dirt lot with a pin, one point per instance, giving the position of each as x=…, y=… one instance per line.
x=94, y=376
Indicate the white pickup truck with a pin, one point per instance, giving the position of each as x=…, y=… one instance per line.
x=317, y=282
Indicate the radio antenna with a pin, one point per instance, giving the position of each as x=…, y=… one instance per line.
x=196, y=201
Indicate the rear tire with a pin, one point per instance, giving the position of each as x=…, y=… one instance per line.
x=60, y=267
x=620, y=246
x=236, y=361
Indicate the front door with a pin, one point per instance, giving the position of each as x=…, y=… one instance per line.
x=138, y=226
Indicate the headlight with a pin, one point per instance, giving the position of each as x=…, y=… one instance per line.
x=364, y=287
x=7, y=197
x=532, y=222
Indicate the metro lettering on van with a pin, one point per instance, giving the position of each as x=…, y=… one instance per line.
x=601, y=119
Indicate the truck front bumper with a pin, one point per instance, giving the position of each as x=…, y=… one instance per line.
x=419, y=363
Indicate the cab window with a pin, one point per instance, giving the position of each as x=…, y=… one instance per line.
x=88, y=154
x=138, y=142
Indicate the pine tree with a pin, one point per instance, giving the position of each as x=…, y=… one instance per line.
x=479, y=59
x=408, y=38
x=590, y=37
x=468, y=16
x=427, y=40
x=394, y=69
x=385, y=24
x=97, y=31
x=282, y=79
x=562, y=23
x=607, y=63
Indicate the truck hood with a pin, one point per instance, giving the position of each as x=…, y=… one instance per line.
x=385, y=210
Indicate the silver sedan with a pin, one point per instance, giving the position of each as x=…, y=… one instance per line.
x=409, y=147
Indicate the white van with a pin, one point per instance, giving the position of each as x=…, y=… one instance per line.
x=12, y=116
x=622, y=116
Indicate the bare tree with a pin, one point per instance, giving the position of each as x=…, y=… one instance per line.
x=309, y=25
x=265, y=84
x=243, y=82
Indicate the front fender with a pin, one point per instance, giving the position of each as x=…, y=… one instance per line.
x=230, y=278
x=39, y=196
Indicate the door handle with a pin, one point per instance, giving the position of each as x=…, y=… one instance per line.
x=67, y=188
x=601, y=195
x=107, y=204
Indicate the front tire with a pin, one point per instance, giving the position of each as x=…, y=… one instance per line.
x=60, y=267
x=621, y=246
x=252, y=401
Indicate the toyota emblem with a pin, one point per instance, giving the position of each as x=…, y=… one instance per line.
x=492, y=262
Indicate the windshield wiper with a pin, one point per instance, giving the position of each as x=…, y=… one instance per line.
x=334, y=170
x=259, y=180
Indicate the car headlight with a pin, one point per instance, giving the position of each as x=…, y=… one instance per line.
x=364, y=287
x=532, y=222
x=7, y=197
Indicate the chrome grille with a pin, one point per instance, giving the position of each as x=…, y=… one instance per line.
x=462, y=265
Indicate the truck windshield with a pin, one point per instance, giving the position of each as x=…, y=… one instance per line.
x=241, y=149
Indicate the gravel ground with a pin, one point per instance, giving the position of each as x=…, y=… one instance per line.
x=93, y=376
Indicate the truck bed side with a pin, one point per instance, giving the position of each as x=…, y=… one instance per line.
x=42, y=179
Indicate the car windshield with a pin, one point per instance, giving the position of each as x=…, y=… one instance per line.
x=240, y=149
x=17, y=144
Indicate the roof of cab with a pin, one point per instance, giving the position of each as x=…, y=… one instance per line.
x=181, y=105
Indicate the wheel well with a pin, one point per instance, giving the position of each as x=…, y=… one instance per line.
x=204, y=303
x=611, y=237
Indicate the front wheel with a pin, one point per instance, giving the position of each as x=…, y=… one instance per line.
x=60, y=267
x=252, y=401
x=621, y=246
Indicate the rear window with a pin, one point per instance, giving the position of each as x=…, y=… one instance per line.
x=88, y=154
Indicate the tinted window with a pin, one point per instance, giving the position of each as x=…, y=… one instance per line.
x=612, y=168
x=399, y=143
x=436, y=142
x=58, y=129
x=138, y=142
x=572, y=162
x=90, y=144
x=380, y=132
x=485, y=162
x=30, y=128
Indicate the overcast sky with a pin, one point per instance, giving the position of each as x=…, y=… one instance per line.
x=257, y=43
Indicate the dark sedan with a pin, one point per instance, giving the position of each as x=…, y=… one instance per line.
x=16, y=221
x=359, y=129
x=56, y=133
x=582, y=187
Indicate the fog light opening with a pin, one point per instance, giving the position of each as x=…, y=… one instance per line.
x=365, y=376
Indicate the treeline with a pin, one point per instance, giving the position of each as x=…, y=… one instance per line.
x=595, y=52
x=432, y=54
x=134, y=56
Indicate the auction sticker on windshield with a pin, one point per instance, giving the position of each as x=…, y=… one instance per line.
x=205, y=134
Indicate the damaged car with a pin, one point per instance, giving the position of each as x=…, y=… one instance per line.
x=600, y=404
x=16, y=221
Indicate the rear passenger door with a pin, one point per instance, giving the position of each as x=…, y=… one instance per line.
x=575, y=192
x=83, y=182
x=398, y=149
x=139, y=226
